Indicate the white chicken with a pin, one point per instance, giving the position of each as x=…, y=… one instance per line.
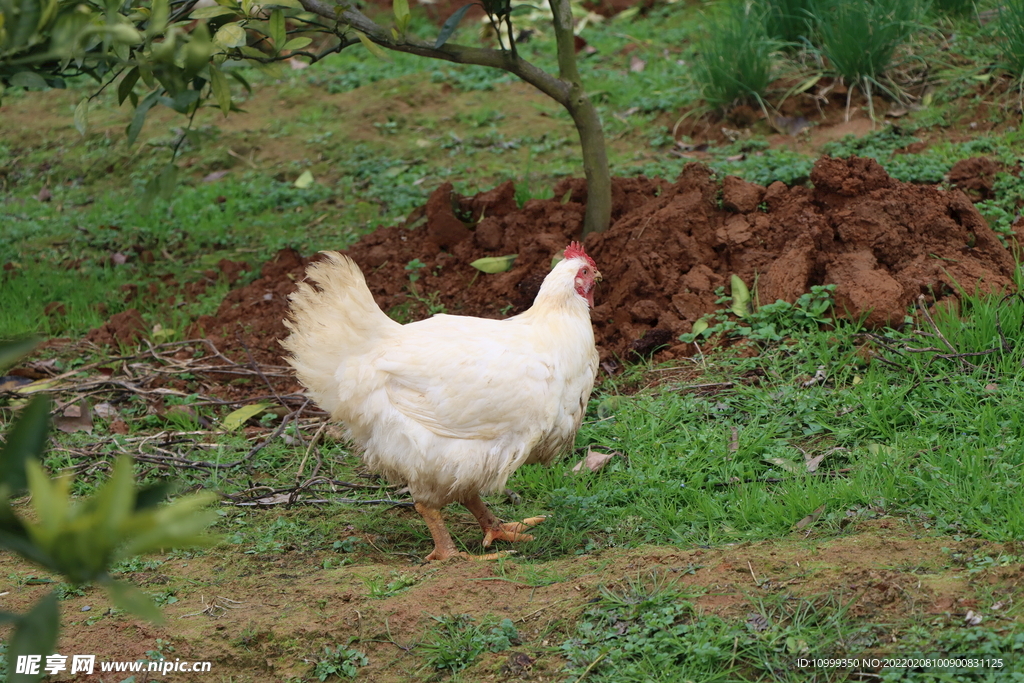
x=451, y=405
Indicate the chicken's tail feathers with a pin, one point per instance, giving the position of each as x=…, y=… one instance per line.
x=334, y=320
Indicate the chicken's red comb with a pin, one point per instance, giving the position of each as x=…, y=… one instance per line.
x=575, y=250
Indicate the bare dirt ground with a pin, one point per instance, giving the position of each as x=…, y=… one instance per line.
x=268, y=617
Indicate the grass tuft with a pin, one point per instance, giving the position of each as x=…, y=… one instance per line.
x=733, y=61
x=1011, y=28
x=860, y=37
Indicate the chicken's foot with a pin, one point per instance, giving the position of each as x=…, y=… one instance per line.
x=496, y=530
x=444, y=546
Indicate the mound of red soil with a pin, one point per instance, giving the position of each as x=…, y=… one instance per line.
x=126, y=327
x=881, y=242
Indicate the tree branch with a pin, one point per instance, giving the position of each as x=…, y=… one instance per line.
x=566, y=89
x=554, y=88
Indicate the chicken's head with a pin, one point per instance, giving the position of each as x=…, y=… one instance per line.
x=587, y=276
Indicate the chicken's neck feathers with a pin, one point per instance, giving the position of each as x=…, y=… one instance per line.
x=558, y=295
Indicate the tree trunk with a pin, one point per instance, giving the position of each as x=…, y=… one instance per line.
x=588, y=123
x=567, y=89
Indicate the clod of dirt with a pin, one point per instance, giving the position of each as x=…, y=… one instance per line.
x=443, y=226
x=671, y=245
x=651, y=341
x=975, y=176
x=740, y=196
x=126, y=327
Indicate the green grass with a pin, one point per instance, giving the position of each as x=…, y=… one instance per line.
x=649, y=629
x=456, y=642
x=733, y=62
x=860, y=38
x=1011, y=27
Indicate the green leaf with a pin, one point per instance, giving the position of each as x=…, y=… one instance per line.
x=520, y=9
x=230, y=35
x=375, y=49
x=304, y=180
x=402, y=15
x=278, y=32
x=13, y=350
x=82, y=116
x=135, y=127
x=211, y=12
x=22, y=30
x=221, y=89
x=740, y=297
x=35, y=634
x=26, y=440
x=29, y=80
x=177, y=525
x=237, y=418
x=131, y=599
x=158, y=19
x=127, y=85
x=449, y=26
x=291, y=4
x=699, y=326
x=494, y=264
x=198, y=50
x=241, y=79
x=297, y=43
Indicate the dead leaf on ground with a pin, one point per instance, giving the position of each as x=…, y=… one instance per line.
x=118, y=426
x=787, y=465
x=13, y=382
x=812, y=463
x=518, y=664
x=104, y=410
x=595, y=460
x=757, y=622
x=809, y=519
x=790, y=125
x=636, y=65
x=77, y=418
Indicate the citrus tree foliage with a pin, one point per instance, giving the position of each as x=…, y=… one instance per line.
x=183, y=54
x=81, y=539
x=155, y=52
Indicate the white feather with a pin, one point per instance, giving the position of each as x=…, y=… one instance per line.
x=451, y=405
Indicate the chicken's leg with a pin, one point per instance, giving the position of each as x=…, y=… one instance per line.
x=493, y=528
x=444, y=546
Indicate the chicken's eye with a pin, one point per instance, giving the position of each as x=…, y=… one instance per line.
x=586, y=272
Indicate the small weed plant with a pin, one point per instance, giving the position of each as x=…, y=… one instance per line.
x=770, y=323
x=456, y=642
x=381, y=587
x=339, y=661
